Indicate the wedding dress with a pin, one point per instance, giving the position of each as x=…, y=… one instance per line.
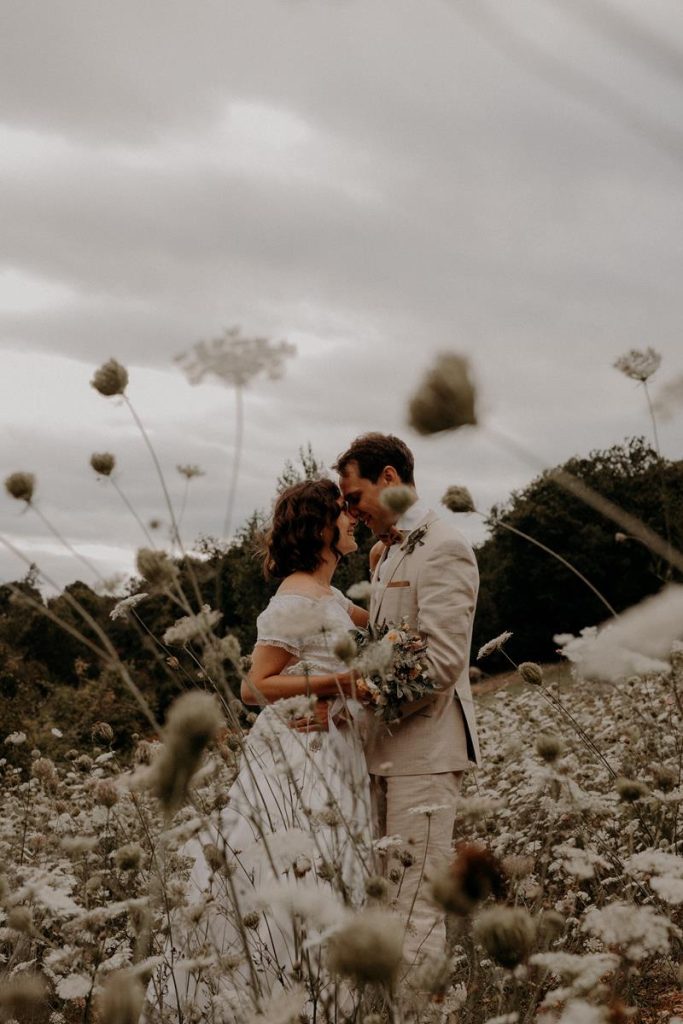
x=291, y=850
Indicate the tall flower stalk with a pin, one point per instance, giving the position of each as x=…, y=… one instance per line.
x=236, y=361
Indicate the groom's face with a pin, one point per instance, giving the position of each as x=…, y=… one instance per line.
x=363, y=497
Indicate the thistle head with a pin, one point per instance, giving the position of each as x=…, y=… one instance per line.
x=21, y=486
x=193, y=721
x=368, y=948
x=548, y=747
x=458, y=499
x=398, y=499
x=445, y=398
x=531, y=673
x=506, y=933
x=630, y=790
x=103, y=463
x=473, y=875
x=110, y=379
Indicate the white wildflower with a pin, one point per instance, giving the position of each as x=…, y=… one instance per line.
x=15, y=739
x=361, y=591
x=318, y=905
x=123, y=607
x=583, y=972
x=494, y=645
x=57, y=732
x=668, y=888
x=281, y=1008
x=581, y=1012
x=235, y=360
x=300, y=706
x=637, y=931
x=388, y=843
x=632, y=645
x=639, y=365
x=74, y=986
x=581, y=863
x=192, y=627
x=504, y=1018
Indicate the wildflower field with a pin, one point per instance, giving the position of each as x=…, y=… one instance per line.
x=564, y=894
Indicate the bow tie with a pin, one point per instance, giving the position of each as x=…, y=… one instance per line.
x=395, y=536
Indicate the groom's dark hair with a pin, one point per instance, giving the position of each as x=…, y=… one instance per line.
x=373, y=452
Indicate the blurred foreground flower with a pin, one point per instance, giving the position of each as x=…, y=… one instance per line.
x=634, y=644
x=669, y=398
x=506, y=933
x=156, y=568
x=361, y=591
x=458, y=499
x=22, y=996
x=473, y=875
x=398, y=499
x=192, y=627
x=192, y=722
x=110, y=379
x=368, y=948
x=103, y=463
x=639, y=365
x=120, y=1000
x=445, y=398
x=21, y=486
x=531, y=673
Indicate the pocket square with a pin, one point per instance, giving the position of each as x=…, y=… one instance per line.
x=398, y=583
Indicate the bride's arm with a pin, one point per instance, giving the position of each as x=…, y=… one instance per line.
x=359, y=616
x=267, y=682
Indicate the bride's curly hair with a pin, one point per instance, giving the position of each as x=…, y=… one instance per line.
x=295, y=542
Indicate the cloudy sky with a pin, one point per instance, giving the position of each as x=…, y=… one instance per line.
x=374, y=181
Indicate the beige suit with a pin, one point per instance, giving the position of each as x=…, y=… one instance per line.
x=431, y=583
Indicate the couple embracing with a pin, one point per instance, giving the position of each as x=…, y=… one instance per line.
x=324, y=802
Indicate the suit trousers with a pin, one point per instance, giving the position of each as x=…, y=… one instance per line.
x=427, y=835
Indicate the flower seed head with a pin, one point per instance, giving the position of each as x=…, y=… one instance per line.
x=345, y=648
x=120, y=1001
x=21, y=486
x=103, y=463
x=458, y=499
x=129, y=857
x=506, y=933
x=398, y=499
x=190, y=471
x=22, y=996
x=376, y=887
x=156, y=568
x=548, y=747
x=474, y=875
x=445, y=399
x=630, y=790
x=531, y=673
x=110, y=379
x=106, y=793
x=367, y=949
x=193, y=721
x=102, y=731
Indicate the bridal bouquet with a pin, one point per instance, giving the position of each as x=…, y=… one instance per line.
x=393, y=669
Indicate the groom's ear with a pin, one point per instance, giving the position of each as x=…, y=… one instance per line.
x=390, y=477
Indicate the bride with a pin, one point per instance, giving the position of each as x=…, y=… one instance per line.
x=295, y=830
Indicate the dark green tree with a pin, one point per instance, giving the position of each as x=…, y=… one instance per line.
x=527, y=591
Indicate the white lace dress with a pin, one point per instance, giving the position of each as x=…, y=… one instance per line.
x=297, y=825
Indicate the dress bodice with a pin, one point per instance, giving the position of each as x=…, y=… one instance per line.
x=307, y=627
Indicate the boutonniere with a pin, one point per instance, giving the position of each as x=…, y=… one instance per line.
x=413, y=539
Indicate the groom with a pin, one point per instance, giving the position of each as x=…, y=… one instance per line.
x=427, y=575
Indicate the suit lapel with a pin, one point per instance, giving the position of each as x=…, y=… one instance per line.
x=381, y=587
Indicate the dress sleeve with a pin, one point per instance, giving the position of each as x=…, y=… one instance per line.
x=271, y=631
x=344, y=601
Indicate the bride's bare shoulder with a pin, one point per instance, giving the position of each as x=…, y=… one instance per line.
x=299, y=583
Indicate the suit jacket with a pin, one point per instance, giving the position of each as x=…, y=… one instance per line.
x=432, y=585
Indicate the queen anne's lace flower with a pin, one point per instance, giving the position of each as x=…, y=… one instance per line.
x=494, y=645
x=637, y=931
x=639, y=365
x=235, y=360
x=125, y=605
x=192, y=627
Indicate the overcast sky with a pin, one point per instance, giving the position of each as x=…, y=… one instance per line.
x=374, y=181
